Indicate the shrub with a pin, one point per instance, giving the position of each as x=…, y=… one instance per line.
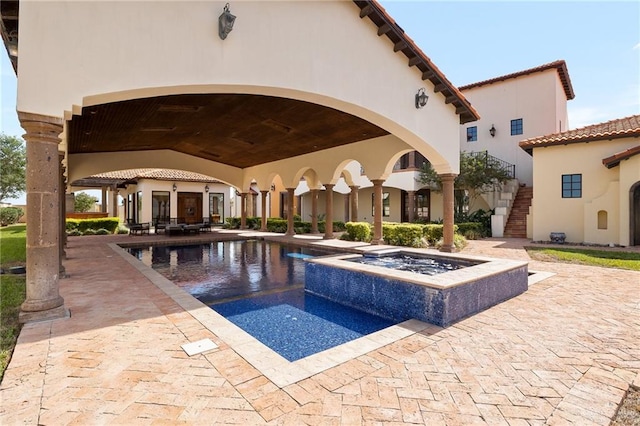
x=406, y=235
x=75, y=233
x=459, y=242
x=103, y=231
x=472, y=230
x=109, y=223
x=10, y=215
x=89, y=232
x=358, y=231
x=122, y=230
x=277, y=225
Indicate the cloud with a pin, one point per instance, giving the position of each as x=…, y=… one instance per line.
x=637, y=46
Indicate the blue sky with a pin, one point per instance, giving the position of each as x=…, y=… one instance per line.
x=476, y=40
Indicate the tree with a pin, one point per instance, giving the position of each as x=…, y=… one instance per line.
x=13, y=164
x=83, y=202
x=479, y=173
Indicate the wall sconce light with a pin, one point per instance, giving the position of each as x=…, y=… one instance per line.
x=12, y=44
x=206, y=188
x=273, y=187
x=174, y=187
x=492, y=131
x=421, y=98
x=225, y=22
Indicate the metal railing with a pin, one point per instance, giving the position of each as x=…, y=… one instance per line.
x=495, y=161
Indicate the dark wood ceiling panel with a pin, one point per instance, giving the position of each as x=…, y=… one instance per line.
x=234, y=129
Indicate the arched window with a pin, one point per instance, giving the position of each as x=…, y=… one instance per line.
x=602, y=219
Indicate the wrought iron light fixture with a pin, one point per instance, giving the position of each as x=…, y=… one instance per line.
x=225, y=22
x=273, y=187
x=421, y=98
x=174, y=187
x=12, y=44
x=206, y=188
x=492, y=131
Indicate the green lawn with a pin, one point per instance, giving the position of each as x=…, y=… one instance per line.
x=606, y=258
x=12, y=289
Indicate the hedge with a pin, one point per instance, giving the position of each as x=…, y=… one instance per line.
x=407, y=235
x=358, y=231
x=82, y=225
x=473, y=230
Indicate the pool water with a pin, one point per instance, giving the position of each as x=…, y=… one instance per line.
x=259, y=286
x=297, y=324
x=417, y=264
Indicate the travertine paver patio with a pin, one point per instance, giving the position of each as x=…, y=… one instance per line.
x=564, y=352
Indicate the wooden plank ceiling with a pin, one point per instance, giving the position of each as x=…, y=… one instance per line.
x=235, y=129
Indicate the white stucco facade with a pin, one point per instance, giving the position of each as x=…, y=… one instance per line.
x=602, y=214
x=538, y=98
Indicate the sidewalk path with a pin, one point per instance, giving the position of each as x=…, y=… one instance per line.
x=564, y=352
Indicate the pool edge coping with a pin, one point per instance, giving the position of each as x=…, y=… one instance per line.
x=269, y=363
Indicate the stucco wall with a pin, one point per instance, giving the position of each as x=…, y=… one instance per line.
x=84, y=53
x=538, y=99
x=602, y=190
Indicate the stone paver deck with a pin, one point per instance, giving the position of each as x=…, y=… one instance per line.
x=564, y=352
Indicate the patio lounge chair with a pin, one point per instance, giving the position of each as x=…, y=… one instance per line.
x=138, y=228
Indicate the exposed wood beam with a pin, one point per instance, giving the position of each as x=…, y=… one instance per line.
x=439, y=87
x=414, y=61
x=460, y=109
x=428, y=74
x=366, y=11
x=450, y=99
x=400, y=45
x=383, y=29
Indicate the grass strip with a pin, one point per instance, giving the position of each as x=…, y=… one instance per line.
x=606, y=258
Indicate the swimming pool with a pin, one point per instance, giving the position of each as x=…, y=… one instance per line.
x=259, y=286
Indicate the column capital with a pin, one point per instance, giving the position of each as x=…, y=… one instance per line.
x=329, y=186
x=377, y=182
x=41, y=128
x=448, y=176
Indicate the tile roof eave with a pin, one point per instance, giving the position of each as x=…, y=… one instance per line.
x=559, y=65
x=615, y=159
x=403, y=43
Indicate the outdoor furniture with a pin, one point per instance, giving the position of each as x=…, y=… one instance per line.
x=160, y=225
x=138, y=228
x=205, y=226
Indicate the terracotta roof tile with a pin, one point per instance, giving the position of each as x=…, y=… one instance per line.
x=615, y=159
x=614, y=129
x=158, y=174
x=560, y=65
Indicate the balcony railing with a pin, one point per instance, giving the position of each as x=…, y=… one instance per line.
x=495, y=161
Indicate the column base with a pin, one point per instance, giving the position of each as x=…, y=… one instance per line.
x=377, y=242
x=328, y=237
x=448, y=249
x=48, y=315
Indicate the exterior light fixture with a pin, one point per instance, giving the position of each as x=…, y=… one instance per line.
x=206, y=188
x=273, y=187
x=12, y=44
x=225, y=22
x=492, y=131
x=421, y=98
x=174, y=187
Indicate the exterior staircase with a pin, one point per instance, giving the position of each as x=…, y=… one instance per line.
x=517, y=223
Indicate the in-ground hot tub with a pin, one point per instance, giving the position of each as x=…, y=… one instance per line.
x=472, y=285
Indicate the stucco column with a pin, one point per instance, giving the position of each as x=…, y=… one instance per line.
x=62, y=227
x=314, y=211
x=328, y=225
x=103, y=203
x=346, y=199
x=43, y=301
x=243, y=210
x=377, y=211
x=263, y=206
x=354, y=202
x=412, y=206
x=290, y=197
x=114, y=201
x=448, y=201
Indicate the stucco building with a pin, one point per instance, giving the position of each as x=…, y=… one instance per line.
x=586, y=183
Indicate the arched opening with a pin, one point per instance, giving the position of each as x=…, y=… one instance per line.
x=602, y=219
